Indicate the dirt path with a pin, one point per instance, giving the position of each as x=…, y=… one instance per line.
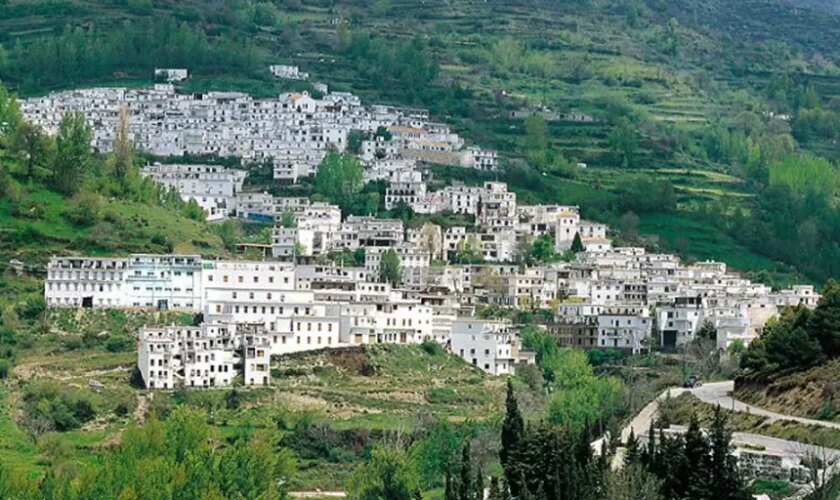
x=142, y=408
x=37, y=369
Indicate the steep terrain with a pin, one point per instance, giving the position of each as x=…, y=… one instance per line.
x=813, y=393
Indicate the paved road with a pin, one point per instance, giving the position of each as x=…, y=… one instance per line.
x=720, y=393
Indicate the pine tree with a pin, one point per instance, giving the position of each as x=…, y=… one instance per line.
x=577, y=244
x=632, y=455
x=670, y=460
x=696, y=467
x=725, y=481
x=513, y=430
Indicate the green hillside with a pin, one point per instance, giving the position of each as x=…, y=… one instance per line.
x=681, y=92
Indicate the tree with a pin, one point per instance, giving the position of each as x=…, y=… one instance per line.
x=632, y=482
x=339, y=178
x=818, y=461
x=465, y=480
x=389, y=267
x=123, y=162
x=468, y=250
x=536, y=139
x=84, y=209
x=696, y=468
x=824, y=323
x=543, y=249
x=32, y=142
x=624, y=141
x=629, y=223
x=72, y=158
x=632, y=454
x=725, y=480
x=387, y=474
x=577, y=244
x=707, y=331
x=513, y=430
x=10, y=117
x=431, y=239
x=229, y=233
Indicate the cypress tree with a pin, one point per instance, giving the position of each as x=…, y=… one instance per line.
x=651, y=448
x=495, y=492
x=465, y=488
x=450, y=491
x=513, y=430
x=478, y=486
x=632, y=455
x=577, y=244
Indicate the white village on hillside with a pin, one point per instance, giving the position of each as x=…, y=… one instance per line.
x=294, y=300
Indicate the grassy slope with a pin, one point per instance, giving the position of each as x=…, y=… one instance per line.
x=687, y=404
x=811, y=393
x=409, y=386
x=42, y=229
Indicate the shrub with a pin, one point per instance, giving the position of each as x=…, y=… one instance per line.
x=119, y=344
x=84, y=209
x=431, y=348
x=5, y=368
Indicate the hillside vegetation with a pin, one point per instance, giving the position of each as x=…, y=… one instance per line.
x=688, y=93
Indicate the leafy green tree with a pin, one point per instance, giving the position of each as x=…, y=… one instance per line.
x=387, y=474
x=707, y=331
x=31, y=141
x=633, y=482
x=624, y=143
x=543, y=249
x=468, y=250
x=10, y=117
x=71, y=163
x=84, y=209
x=339, y=178
x=390, y=270
x=536, y=140
x=229, y=233
x=824, y=323
x=805, y=175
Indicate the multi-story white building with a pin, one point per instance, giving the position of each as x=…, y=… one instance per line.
x=86, y=282
x=192, y=356
x=288, y=72
x=624, y=326
x=213, y=187
x=414, y=262
x=493, y=346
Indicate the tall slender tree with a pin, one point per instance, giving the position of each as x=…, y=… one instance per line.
x=513, y=430
x=72, y=157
